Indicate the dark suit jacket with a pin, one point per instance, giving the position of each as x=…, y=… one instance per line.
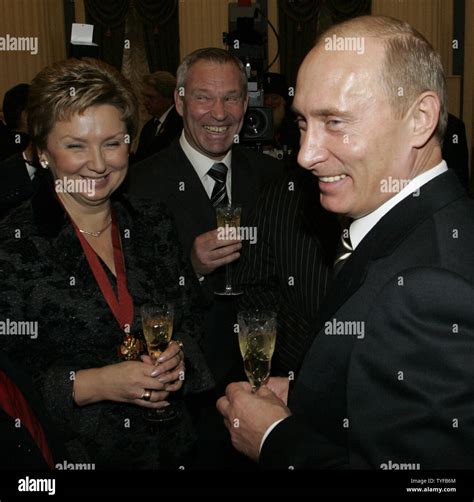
x=404, y=392
x=150, y=144
x=289, y=267
x=169, y=176
x=19, y=450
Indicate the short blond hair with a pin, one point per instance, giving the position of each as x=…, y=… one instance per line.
x=68, y=87
x=410, y=64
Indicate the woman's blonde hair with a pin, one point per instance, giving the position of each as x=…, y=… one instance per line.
x=68, y=87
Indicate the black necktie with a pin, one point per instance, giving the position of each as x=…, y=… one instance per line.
x=344, y=250
x=218, y=172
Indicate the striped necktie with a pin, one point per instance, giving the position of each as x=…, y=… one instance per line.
x=344, y=250
x=218, y=172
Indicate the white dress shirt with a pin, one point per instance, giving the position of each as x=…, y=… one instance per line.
x=202, y=164
x=361, y=227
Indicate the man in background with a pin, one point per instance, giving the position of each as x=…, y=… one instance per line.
x=13, y=136
x=276, y=94
x=165, y=124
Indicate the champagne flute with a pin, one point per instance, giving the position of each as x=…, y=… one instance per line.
x=157, y=323
x=257, y=337
x=228, y=219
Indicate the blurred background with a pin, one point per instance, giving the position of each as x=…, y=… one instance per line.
x=142, y=36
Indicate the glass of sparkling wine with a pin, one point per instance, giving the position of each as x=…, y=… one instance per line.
x=157, y=324
x=228, y=223
x=257, y=336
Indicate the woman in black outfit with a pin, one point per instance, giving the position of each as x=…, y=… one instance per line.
x=79, y=259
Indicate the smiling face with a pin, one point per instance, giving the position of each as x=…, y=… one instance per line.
x=350, y=138
x=90, y=150
x=213, y=107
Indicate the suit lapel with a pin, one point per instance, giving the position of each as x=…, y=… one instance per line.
x=189, y=193
x=385, y=237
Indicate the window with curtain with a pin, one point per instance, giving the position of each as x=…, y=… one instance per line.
x=300, y=21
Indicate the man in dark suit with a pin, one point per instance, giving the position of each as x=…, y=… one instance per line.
x=166, y=124
x=13, y=136
x=387, y=381
x=19, y=178
x=211, y=96
x=204, y=168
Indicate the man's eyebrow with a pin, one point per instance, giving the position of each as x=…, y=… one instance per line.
x=201, y=89
x=324, y=112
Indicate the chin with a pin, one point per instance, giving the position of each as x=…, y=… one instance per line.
x=95, y=200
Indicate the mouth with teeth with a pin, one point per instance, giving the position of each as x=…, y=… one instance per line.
x=332, y=179
x=216, y=129
x=96, y=180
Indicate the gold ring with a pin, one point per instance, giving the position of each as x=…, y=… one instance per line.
x=146, y=394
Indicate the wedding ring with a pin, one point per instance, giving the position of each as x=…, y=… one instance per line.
x=146, y=394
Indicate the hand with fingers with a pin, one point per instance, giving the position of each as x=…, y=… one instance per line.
x=209, y=252
x=169, y=370
x=248, y=415
x=138, y=382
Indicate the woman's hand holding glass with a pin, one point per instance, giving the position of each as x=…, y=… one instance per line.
x=126, y=381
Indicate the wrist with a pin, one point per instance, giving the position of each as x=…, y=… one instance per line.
x=87, y=387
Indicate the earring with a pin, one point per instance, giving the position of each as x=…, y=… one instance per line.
x=44, y=164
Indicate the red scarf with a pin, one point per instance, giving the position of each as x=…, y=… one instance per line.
x=14, y=404
x=121, y=305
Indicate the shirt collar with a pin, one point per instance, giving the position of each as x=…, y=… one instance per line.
x=362, y=226
x=163, y=117
x=200, y=162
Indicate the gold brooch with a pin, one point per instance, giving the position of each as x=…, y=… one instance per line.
x=131, y=348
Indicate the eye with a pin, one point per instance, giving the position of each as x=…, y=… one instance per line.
x=301, y=123
x=232, y=99
x=201, y=97
x=113, y=144
x=334, y=123
x=74, y=145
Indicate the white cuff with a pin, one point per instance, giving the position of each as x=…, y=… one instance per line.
x=267, y=433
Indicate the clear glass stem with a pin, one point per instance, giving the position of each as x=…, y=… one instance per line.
x=228, y=277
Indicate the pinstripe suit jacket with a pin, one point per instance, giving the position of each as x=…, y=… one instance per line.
x=288, y=269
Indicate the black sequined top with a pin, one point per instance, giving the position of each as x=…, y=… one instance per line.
x=45, y=279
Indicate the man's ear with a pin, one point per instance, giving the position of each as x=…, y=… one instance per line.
x=246, y=103
x=178, y=100
x=424, y=118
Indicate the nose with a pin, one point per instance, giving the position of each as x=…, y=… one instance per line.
x=97, y=161
x=218, y=109
x=312, y=149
